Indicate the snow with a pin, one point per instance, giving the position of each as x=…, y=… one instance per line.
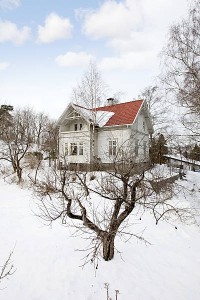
x=100, y=117
x=103, y=117
x=48, y=265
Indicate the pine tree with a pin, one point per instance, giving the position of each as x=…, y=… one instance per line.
x=158, y=149
x=5, y=117
x=195, y=153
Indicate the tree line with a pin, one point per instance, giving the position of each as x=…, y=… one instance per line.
x=24, y=133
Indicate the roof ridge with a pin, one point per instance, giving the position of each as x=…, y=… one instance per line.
x=81, y=106
x=116, y=104
x=119, y=103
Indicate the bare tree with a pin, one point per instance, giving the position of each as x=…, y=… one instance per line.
x=101, y=205
x=7, y=269
x=192, y=126
x=40, y=124
x=50, y=140
x=181, y=69
x=157, y=106
x=90, y=92
x=17, y=138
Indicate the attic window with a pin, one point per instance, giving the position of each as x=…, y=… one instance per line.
x=76, y=114
x=75, y=127
x=81, y=126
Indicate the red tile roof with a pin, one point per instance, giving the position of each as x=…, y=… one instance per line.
x=124, y=113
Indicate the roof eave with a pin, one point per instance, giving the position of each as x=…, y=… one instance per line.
x=62, y=117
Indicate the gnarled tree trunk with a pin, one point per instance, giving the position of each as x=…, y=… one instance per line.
x=108, y=246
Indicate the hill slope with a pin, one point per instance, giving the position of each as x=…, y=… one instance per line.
x=48, y=265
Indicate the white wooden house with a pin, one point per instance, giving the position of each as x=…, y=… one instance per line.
x=100, y=134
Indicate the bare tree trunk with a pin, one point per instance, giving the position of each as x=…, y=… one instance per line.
x=19, y=174
x=14, y=167
x=36, y=171
x=108, y=246
x=19, y=171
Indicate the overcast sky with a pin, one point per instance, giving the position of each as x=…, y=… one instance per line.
x=46, y=46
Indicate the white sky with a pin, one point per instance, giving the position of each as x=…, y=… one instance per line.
x=46, y=48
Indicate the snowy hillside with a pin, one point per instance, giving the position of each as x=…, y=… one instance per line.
x=48, y=265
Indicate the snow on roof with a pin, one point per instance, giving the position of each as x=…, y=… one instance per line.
x=84, y=112
x=117, y=114
x=99, y=117
x=102, y=117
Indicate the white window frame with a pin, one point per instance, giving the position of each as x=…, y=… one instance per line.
x=136, y=147
x=112, y=147
x=144, y=125
x=81, y=148
x=145, y=148
x=73, y=149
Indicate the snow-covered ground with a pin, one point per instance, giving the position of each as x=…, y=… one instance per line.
x=48, y=267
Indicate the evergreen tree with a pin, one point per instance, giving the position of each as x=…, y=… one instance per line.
x=158, y=149
x=5, y=117
x=195, y=153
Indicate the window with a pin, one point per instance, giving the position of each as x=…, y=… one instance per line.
x=66, y=149
x=145, y=148
x=80, y=148
x=78, y=127
x=76, y=149
x=144, y=127
x=136, y=147
x=73, y=149
x=112, y=148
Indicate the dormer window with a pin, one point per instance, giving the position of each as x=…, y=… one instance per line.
x=75, y=127
x=81, y=126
